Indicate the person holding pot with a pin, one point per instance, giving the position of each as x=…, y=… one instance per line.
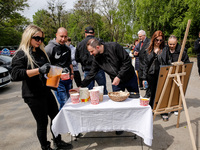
x=29, y=64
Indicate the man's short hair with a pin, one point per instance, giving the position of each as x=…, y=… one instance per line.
x=94, y=42
x=142, y=32
x=89, y=30
x=172, y=37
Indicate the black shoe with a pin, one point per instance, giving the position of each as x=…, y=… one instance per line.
x=165, y=117
x=47, y=147
x=60, y=144
x=119, y=132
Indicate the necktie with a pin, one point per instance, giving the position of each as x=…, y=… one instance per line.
x=141, y=45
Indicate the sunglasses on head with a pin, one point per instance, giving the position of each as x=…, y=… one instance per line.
x=38, y=38
x=158, y=40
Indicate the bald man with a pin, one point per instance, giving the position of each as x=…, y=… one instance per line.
x=60, y=55
x=173, y=49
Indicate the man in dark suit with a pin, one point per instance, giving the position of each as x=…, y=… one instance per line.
x=140, y=51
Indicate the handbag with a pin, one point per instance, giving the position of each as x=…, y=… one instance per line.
x=152, y=68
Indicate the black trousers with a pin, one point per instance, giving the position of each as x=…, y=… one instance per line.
x=42, y=107
x=77, y=78
x=140, y=74
x=152, y=80
x=198, y=63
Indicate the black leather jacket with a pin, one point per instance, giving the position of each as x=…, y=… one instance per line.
x=197, y=46
x=173, y=57
x=153, y=62
x=115, y=61
x=82, y=55
x=31, y=86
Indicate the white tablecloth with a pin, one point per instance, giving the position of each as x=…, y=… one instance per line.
x=106, y=116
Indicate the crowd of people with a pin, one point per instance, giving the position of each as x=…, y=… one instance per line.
x=33, y=60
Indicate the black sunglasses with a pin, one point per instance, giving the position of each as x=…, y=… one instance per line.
x=38, y=38
x=159, y=40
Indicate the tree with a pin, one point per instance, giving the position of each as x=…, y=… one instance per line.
x=50, y=19
x=108, y=8
x=84, y=14
x=9, y=7
x=12, y=23
x=42, y=19
x=56, y=11
x=170, y=16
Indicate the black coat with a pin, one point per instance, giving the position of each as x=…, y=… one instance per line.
x=115, y=61
x=82, y=55
x=197, y=46
x=31, y=86
x=142, y=55
x=153, y=62
x=173, y=57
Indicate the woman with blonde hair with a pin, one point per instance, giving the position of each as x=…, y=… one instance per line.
x=29, y=64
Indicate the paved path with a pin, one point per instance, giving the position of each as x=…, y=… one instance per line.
x=18, y=128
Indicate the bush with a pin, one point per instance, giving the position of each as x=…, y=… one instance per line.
x=190, y=52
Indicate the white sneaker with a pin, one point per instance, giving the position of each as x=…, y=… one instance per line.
x=164, y=117
x=176, y=113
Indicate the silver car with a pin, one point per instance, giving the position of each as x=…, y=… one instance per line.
x=5, y=61
x=5, y=77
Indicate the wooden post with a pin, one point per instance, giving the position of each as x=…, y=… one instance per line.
x=186, y=114
x=184, y=40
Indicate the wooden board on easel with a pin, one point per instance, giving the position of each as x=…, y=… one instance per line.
x=161, y=80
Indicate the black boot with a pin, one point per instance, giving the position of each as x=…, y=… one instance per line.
x=61, y=145
x=47, y=147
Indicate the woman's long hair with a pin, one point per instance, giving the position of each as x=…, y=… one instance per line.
x=154, y=36
x=25, y=44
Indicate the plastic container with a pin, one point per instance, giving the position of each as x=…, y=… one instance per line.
x=144, y=101
x=53, y=77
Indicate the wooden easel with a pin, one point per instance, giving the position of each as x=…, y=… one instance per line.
x=176, y=75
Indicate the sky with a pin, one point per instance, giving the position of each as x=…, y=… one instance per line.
x=36, y=5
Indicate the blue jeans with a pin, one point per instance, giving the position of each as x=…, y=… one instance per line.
x=62, y=92
x=100, y=78
x=131, y=85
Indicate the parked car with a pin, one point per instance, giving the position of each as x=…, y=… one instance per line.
x=5, y=61
x=5, y=77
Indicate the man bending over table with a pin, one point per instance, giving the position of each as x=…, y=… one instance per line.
x=115, y=61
